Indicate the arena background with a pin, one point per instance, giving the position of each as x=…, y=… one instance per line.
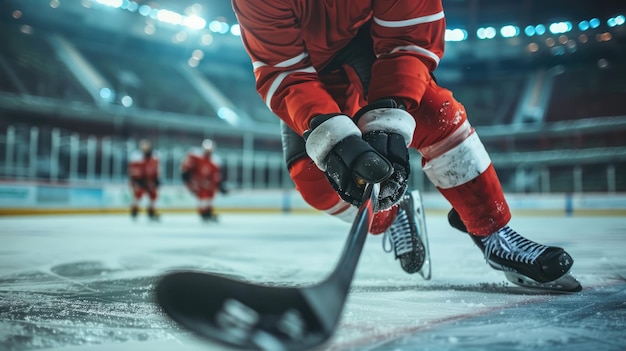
x=544, y=83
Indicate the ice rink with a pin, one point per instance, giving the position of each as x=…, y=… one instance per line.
x=86, y=282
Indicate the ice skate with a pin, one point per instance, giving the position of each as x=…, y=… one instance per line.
x=133, y=212
x=208, y=216
x=408, y=236
x=524, y=262
x=152, y=215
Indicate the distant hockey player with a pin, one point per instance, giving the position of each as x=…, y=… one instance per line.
x=201, y=173
x=143, y=170
x=352, y=82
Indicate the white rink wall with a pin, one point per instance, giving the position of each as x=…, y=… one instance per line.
x=22, y=198
x=32, y=198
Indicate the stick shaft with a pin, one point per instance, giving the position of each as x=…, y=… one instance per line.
x=329, y=296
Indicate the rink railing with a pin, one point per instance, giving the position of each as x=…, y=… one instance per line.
x=54, y=155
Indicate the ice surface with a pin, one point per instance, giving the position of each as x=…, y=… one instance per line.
x=86, y=283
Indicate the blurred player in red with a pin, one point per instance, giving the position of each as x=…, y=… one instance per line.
x=201, y=173
x=143, y=170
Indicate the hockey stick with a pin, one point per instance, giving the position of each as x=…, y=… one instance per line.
x=257, y=317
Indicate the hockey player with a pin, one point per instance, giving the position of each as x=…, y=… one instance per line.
x=352, y=82
x=143, y=170
x=201, y=173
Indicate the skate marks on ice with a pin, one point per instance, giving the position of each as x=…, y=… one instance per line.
x=468, y=306
x=569, y=322
x=77, y=304
x=467, y=320
x=86, y=283
x=80, y=282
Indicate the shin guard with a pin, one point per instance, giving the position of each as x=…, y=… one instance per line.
x=461, y=169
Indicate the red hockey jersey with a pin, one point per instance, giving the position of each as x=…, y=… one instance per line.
x=290, y=41
x=205, y=173
x=142, y=168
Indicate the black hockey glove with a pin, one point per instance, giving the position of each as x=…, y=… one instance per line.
x=335, y=144
x=388, y=128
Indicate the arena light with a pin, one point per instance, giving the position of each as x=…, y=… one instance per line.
x=126, y=101
x=170, y=17
x=215, y=26
x=144, y=10
x=583, y=25
x=532, y=47
x=228, y=115
x=193, y=62
x=615, y=21
x=206, y=39
x=111, y=3
x=219, y=27
x=149, y=29
x=197, y=54
x=456, y=34
x=107, y=94
x=194, y=22
x=486, y=33
x=530, y=31
x=540, y=29
x=125, y=4
x=594, y=23
x=509, y=31
x=235, y=30
x=560, y=27
x=225, y=28
x=133, y=6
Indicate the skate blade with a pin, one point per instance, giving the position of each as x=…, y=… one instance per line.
x=566, y=283
x=420, y=217
x=425, y=272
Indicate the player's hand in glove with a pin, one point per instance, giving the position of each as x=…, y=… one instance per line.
x=388, y=128
x=336, y=146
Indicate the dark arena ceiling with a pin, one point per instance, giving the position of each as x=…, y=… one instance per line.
x=118, y=25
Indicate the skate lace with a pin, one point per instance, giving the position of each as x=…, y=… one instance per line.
x=508, y=244
x=398, y=236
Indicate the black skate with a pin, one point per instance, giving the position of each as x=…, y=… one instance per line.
x=133, y=213
x=524, y=262
x=208, y=216
x=152, y=215
x=408, y=236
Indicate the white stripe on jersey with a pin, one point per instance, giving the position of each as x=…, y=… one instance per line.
x=279, y=79
x=292, y=61
x=258, y=64
x=419, y=50
x=409, y=22
x=288, y=62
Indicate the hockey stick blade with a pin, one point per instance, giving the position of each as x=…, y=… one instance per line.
x=250, y=316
